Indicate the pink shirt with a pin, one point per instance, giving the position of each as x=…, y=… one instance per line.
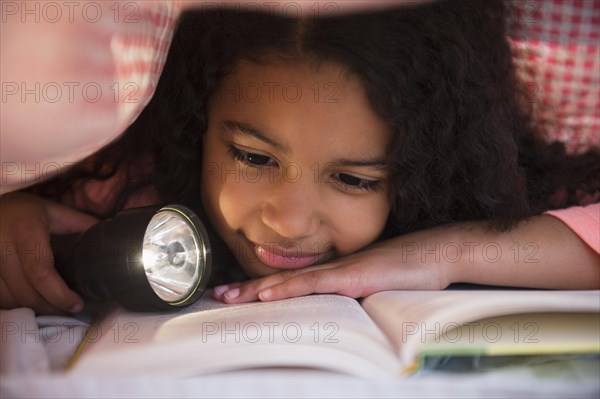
x=584, y=221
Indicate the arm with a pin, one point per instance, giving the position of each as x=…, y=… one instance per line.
x=541, y=252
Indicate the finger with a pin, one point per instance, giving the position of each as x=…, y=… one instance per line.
x=219, y=290
x=245, y=292
x=18, y=292
x=7, y=300
x=242, y=292
x=37, y=264
x=248, y=291
x=13, y=277
x=313, y=282
x=65, y=220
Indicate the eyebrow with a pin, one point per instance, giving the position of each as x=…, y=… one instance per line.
x=375, y=164
x=251, y=131
x=246, y=129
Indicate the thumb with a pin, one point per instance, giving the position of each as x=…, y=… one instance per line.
x=64, y=220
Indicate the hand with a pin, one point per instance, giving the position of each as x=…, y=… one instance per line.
x=27, y=274
x=540, y=252
x=379, y=268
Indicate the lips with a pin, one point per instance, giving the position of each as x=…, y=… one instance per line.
x=281, y=261
x=280, y=258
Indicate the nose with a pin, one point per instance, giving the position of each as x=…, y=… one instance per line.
x=292, y=210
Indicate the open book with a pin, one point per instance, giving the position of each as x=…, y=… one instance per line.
x=386, y=334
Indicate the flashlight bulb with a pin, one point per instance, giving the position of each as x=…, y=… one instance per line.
x=172, y=256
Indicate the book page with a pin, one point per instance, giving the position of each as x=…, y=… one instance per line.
x=319, y=331
x=411, y=319
x=518, y=334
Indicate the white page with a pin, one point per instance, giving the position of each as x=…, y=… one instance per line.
x=319, y=331
x=411, y=318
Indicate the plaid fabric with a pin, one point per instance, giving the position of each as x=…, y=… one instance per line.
x=140, y=54
x=555, y=45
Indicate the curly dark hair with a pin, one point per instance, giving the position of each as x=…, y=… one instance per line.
x=440, y=74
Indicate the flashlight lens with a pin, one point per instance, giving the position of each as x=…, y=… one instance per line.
x=172, y=256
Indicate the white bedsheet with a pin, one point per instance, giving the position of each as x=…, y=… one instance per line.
x=34, y=352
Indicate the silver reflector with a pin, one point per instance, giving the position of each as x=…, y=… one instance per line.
x=172, y=256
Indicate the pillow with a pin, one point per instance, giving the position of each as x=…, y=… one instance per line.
x=74, y=76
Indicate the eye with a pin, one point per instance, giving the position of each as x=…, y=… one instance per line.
x=250, y=158
x=354, y=183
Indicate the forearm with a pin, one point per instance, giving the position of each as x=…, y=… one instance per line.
x=541, y=252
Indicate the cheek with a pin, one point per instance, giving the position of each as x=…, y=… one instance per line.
x=229, y=196
x=214, y=183
x=360, y=223
x=236, y=201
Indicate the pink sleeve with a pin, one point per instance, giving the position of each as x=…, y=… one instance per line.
x=584, y=221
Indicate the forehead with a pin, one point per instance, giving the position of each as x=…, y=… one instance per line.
x=302, y=102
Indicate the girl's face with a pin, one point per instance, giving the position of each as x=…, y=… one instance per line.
x=294, y=165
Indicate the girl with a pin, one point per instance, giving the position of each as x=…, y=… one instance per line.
x=349, y=155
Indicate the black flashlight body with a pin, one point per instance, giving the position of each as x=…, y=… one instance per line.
x=68, y=252
x=105, y=262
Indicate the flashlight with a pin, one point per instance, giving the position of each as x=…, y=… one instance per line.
x=148, y=258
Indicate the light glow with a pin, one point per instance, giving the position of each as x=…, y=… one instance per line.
x=172, y=256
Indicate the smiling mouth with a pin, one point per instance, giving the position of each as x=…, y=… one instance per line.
x=280, y=258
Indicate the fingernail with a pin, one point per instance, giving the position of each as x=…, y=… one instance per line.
x=232, y=294
x=265, y=294
x=220, y=289
x=77, y=308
